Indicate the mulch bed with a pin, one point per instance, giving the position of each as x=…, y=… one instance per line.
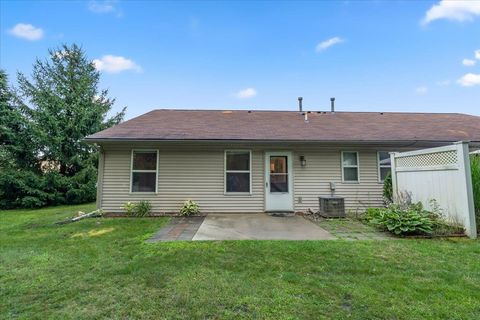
x=153, y=215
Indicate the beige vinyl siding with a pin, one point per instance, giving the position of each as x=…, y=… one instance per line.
x=193, y=173
x=196, y=171
x=323, y=167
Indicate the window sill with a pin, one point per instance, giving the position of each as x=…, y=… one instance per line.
x=351, y=182
x=237, y=194
x=143, y=193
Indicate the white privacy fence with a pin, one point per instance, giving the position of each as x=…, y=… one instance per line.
x=440, y=174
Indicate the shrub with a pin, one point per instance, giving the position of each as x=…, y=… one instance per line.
x=413, y=220
x=21, y=189
x=189, y=208
x=142, y=209
x=129, y=208
x=29, y=189
x=475, y=167
x=371, y=213
x=388, y=189
x=82, y=186
x=31, y=202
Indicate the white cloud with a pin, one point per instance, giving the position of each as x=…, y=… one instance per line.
x=106, y=6
x=468, y=62
x=469, y=80
x=328, y=43
x=458, y=10
x=477, y=54
x=26, y=31
x=115, y=64
x=421, y=90
x=246, y=93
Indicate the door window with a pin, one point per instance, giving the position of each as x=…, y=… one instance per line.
x=278, y=174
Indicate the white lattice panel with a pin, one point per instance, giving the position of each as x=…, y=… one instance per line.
x=444, y=158
x=441, y=174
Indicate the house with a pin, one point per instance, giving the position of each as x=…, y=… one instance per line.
x=255, y=161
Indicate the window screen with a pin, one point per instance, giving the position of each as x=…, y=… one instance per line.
x=237, y=171
x=144, y=171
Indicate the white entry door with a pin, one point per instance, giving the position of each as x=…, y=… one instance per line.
x=278, y=181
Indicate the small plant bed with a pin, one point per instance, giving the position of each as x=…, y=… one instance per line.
x=139, y=210
x=412, y=220
x=152, y=215
x=143, y=209
x=190, y=208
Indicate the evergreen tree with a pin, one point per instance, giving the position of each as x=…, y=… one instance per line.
x=17, y=147
x=65, y=105
x=43, y=158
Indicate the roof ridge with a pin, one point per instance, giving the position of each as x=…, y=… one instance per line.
x=296, y=111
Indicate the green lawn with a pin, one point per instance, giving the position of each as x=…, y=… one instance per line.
x=101, y=268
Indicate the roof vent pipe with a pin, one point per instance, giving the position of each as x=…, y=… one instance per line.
x=300, y=103
x=332, y=104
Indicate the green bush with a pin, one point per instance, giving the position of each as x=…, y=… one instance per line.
x=475, y=167
x=82, y=186
x=28, y=189
x=189, y=208
x=388, y=189
x=409, y=221
x=142, y=209
x=129, y=208
x=21, y=189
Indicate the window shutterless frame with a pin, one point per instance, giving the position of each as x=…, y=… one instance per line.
x=132, y=171
x=350, y=166
x=380, y=166
x=225, y=171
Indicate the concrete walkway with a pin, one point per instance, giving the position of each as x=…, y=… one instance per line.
x=179, y=228
x=259, y=227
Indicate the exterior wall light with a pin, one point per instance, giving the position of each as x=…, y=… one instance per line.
x=303, y=161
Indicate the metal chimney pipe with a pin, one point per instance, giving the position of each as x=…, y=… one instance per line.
x=332, y=103
x=300, y=103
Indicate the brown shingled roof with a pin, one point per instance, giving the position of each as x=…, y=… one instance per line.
x=291, y=126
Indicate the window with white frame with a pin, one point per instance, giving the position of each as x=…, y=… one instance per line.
x=144, y=171
x=384, y=165
x=350, y=166
x=237, y=171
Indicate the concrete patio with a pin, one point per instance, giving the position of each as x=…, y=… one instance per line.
x=259, y=227
x=240, y=227
x=264, y=227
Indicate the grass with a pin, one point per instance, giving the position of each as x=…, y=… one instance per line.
x=101, y=268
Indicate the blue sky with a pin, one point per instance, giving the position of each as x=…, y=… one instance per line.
x=372, y=56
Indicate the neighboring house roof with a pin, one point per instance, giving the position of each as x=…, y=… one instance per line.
x=291, y=126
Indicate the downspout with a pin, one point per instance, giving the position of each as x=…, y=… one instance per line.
x=101, y=164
